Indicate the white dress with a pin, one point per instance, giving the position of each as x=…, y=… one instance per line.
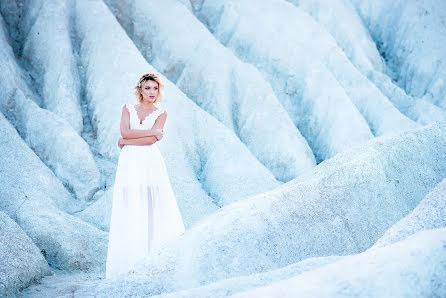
x=145, y=214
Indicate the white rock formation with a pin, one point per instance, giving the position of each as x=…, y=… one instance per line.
x=308, y=77
x=33, y=197
x=360, y=223
x=45, y=28
x=417, y=109
x=98, y=212
x=414, y=267
x=231, y=286
x=415, y=53
x=429, y=214
x=341, y=20
x=343, y=207
x=232, y=91
x=21, y=262
x=208, y=165
x=335, y=210
x=50, y=136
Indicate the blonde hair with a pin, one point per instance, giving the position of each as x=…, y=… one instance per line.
x=148, y=77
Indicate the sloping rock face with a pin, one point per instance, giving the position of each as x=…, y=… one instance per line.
x=52, y=138
x=343, y=207
x=256, y=96
x=232, y=286
x=417, y=109
x=208, y=165
x=45, y=27
x=414, y=54
x=429, y=214
x=341, y=19
x=32, y=195
x=414, y=267
x=98, y=212
x=407, y=260
x=21, y=262
x=210, y=74
x=298, y=69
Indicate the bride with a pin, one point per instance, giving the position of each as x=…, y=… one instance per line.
x=144, y=213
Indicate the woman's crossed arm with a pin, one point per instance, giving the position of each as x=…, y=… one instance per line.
x=142, y=137
x=128, y=133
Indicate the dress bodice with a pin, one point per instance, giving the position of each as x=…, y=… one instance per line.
x=147, y=122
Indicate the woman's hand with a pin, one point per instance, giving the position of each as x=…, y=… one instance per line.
x=121, y=143
x=159, y=133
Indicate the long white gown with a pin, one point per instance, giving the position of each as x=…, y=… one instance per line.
x=145, y=213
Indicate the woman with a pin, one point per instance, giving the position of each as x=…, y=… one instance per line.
x=144, y=214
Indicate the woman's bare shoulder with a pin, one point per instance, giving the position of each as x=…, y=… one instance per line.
x=162, y=114
x=126, y=107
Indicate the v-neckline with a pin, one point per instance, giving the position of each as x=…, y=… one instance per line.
x=141, y=121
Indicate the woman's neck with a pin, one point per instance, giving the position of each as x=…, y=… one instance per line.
x=147, y=105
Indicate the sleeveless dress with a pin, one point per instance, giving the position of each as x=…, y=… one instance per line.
x=145, y=213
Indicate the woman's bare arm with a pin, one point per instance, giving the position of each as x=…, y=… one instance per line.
x=140, y=141
x=128, y=133
x=160, y=121
x=159, y=124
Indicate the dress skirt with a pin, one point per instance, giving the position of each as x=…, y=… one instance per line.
x=145, y=214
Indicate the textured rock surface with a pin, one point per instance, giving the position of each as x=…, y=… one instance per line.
x=210, y=74
x=334, y=210
x=203, y=157
x=417, y=109
x=415, y=54
x=31, y=195
x=414, y=267
x=340, y=72
x=21, y=262
x=235, y=285
x=341, y=20
x=55, y=142
x=429, y=214
x=98, y=212
x=297, y=78
x=45, y=27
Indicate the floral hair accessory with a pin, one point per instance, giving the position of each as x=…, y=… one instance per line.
x=146, y=77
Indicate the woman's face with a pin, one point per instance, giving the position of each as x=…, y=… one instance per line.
x=149, y=90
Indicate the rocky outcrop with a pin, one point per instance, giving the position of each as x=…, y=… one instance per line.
x=21, y=262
